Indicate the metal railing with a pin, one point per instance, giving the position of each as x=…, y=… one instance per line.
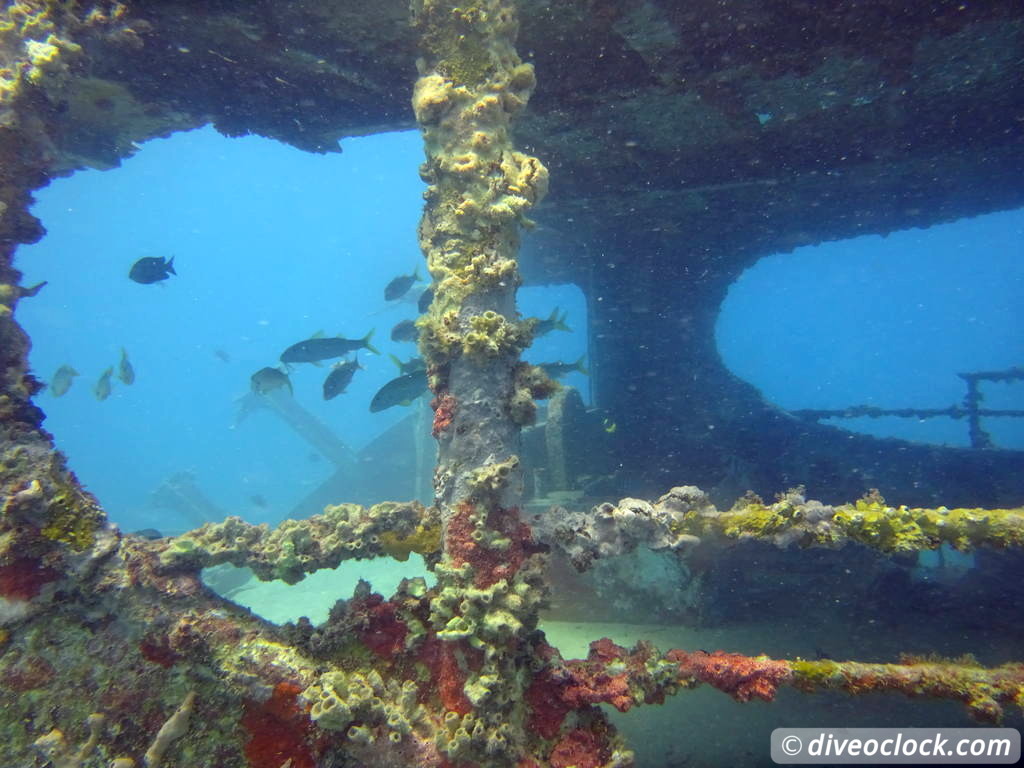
x=970, y=410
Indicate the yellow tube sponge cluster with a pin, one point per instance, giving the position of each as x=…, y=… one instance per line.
x=489, y=619
x=386, y=709
x=492, y=335
x=491, y=478
x=479, y=188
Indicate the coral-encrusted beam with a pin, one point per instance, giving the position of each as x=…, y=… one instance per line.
x=479, y=191
x=685, y=516
x=624, y=678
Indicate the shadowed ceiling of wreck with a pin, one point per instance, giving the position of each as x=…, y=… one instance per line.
x=720, y=130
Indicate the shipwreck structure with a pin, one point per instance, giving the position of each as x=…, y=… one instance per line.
x=681, y=144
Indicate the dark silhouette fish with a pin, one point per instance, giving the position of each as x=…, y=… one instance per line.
x=411, y=365
x=560, y=369
x=339, y=378
x=268, y=379
x=324, y=348
x=405, y=331
x=125, y=372
x=553, y=322
x=258, y=501
x=62, y=380
x=152, y=269
x=103, y=386
x=399, y=391
x=425, y=300
x=398, y=287
x=32, y=290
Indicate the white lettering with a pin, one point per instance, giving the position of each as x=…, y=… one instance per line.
x=923, y=747
x=816, y=745
x=999, y=747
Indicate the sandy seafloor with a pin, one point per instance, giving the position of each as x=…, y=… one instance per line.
x=698, y=728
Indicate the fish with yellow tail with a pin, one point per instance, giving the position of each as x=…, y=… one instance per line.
x=559, y=369
x=553, y=322
x=318, y=348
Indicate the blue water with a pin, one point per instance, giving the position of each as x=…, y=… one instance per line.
x=887, y=322
x=271, y=245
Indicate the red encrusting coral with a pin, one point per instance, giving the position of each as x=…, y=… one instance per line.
x=562, y=687
x=23, y=578
x=547, y=706
x=580, y=748
x=592, y=684
x=489, y=565
x=157, y=652
x=598, y=688
x=742, y=677
x=444, y=406
x=451, y=681
x=380, y=629
x=604, y=651
x=280, y=731
x=448, y=674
